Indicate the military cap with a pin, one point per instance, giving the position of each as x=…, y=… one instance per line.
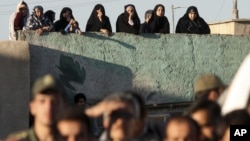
x=46, y=83
x=207, y=82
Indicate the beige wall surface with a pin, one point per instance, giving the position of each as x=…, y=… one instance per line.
x=222, y=28
x=235, y=27
x=14, y=86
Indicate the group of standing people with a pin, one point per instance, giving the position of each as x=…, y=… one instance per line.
x=128, y=21
x=124, y=116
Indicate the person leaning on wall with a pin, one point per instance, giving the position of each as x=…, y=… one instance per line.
x=98, y=21
x=128, y=21
x=159, y=22
x=18, y=19
x=38, y=22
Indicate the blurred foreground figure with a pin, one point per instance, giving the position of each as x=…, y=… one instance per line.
x=73, y=125
x=207, y=114
x=47, y=100
x=236, y=117
x=182, y=128
x=124, y=118
x=208, y=86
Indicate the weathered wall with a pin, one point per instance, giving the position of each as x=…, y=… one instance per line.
x=14, y=86
x=161, y=67
x=242, y=28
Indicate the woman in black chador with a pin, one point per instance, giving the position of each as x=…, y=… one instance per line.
x=65, y=16
x=159, y=23
x=98, y=21
x=128, y=21
x=192, y=23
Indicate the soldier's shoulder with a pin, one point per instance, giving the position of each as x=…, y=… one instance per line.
x=19, y=135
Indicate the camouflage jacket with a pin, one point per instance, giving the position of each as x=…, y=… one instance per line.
x=24, y=135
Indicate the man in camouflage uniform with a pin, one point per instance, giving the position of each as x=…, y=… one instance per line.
x=47, y=100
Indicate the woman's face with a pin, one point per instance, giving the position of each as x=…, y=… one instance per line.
x=99, y=13
x=192, y=15
x=23, y=10
x=160, y=11
x=38, y=12
x=67, y=14
x=130, y=10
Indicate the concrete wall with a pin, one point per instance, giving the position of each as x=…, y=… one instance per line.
x=222, y=28
x=161, y=67
x=14, y=85
x=242, y=28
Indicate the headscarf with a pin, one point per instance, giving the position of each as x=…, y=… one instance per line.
x=97, y=7
x=191, y=8
x=136, y=17
x=65, y=9
x=156, y=7
x=50, y=14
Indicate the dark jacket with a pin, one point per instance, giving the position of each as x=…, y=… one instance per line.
x=94, y=24
x=145, y=28
x=122, y=24
x=62, y=22
x=198, y=26
x=159, y=24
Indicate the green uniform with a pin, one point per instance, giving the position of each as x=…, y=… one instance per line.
x=24, y=135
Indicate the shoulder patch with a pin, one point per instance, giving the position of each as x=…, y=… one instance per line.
x=19, y=135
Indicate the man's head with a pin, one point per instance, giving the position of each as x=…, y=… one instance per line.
x=182, y=128
x=47, y=99
x=207, y=114
x=73, y=125
x=236, y=117
x=208, y=86
x=128, y=120
x=80, y=99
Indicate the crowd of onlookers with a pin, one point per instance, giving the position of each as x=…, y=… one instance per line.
x=128, y=21
x=124, y=116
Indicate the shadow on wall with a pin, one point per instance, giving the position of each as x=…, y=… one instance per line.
x=92, y=77
x=80, y=74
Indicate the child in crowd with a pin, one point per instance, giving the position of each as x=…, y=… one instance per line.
x=145, y=28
